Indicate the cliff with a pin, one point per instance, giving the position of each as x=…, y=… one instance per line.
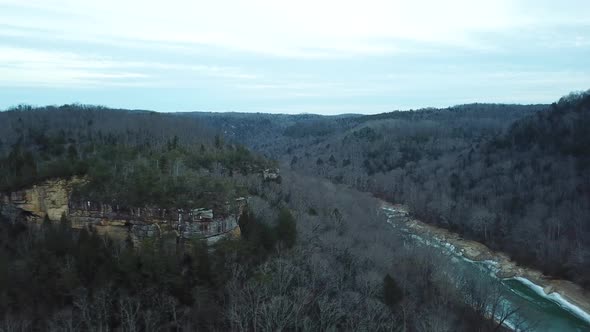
x=50, y=198
x=53, y=199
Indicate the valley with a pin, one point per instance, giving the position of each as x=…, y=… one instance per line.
x=294, y=166
x=281, y=221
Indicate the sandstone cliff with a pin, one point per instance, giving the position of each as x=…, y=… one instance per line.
x=52, y=198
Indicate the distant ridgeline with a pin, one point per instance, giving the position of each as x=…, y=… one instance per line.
x=142, y=167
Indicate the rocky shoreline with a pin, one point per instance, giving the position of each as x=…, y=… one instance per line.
x=506, y=268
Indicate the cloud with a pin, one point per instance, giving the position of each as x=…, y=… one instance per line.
x=27, y=66
x=265, y=54
x=305, y=28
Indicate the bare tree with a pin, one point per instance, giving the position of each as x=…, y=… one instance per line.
x=129, y=309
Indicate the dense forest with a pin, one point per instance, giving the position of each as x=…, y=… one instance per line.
x=132, y=158
x=513, y=177
x=334, y=272
x=313, y=255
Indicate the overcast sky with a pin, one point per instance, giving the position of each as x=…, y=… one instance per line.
x=312, y=56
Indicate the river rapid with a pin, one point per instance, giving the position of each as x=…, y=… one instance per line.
x=537, y=311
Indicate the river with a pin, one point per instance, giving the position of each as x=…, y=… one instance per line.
x=537, y=311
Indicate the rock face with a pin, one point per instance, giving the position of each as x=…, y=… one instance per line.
x=47, y=199
x=52, y=198
x=209, y=230
x=549, y=289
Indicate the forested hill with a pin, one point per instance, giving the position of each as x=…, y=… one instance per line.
x=562, y=130
x=133, y=158
x=512, y=176
x=270, y=133
x=535, y=177
x=312, y=255
x=277, y=134
x=87, y=122
x=525, y=191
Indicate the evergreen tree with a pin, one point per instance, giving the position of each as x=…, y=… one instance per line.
x=392, y=294
x=286, y=228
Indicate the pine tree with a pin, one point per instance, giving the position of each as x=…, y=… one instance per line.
x=392, y=294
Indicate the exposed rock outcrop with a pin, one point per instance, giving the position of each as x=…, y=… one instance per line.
x=49, y=198
x=52, y=198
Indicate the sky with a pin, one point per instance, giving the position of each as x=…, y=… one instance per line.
x=304, y=56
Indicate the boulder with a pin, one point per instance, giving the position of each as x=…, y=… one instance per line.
x=549, y=289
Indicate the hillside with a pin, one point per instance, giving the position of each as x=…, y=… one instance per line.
x=271, y=133
x=510, y=176
x=162, y=188
x=303, y=260
x=132, y=158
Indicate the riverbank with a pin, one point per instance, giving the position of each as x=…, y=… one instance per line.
x=570, y=296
